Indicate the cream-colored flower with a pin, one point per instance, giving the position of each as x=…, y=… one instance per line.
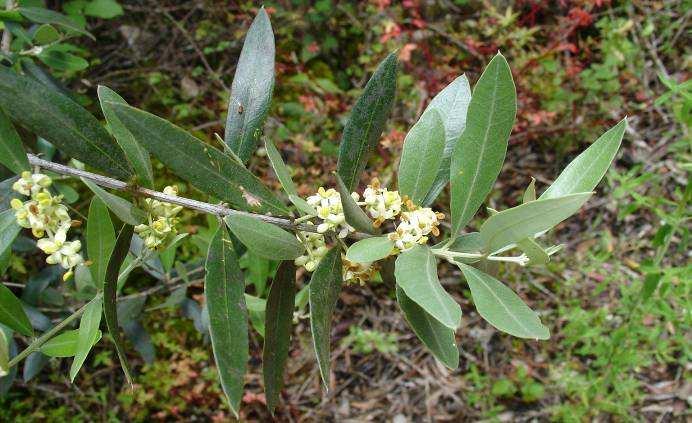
x=380, y=203
x=360, y=273
x=160, y=229
x=30, y=184
x=415, y=227
x=327, y=205
x=315, y=248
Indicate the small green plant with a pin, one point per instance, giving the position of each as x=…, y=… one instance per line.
x=365, y=341
x=460, y=140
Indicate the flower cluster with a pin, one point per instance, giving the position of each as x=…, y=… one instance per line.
x=160, y=229
x=327, y=205
x=48, y=220
x=414, y=226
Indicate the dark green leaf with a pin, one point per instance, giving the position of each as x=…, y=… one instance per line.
x=110, y=294
x=416, y=275
x=251, y=92
x=46, y=34
x=452, y=103
x=355, y=216
x=367, y=121
x=46, y=16
x=528, y=219
x=12, y=313
x=277, y=333
x=437, y=337
x=12, y=154
x=88, y=330
x=123, y=209
x=422, y=155
x=213, y=171
x=325, y=286
x=100, y=237
x=370, y=249
x=137, y=155
x=264, y=239
x=33, y=365
x=588, y=168
x=55, y=117
x=480, y=152
x=501, y=307
x=224, y=288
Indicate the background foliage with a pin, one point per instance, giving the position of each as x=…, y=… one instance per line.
x=618, y=348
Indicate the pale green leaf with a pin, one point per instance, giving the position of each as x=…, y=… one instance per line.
x=9, y=229
x=420, y=160
x=354, y=215
x=123, y=209
x=533, y=251
x=370, y=249
x=480, y=152
x=530, y=192
x=264, y=239
x=65, y=344
x=88, y=329
x=416, y=275
x=528, y=219
x=501, y=307
x=104, y=9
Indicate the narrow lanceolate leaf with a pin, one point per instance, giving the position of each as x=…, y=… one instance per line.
x=355, y=216
x=438, y=338
x=47, y=16
x=100, y=237
x=367, y=121
x=480, y=152
x=207, y=168
x=264, y=239
x=88, y=329
x=110, y=294
x=12, y=313
x=416, y=275
x=370, y=249
x=4, y=355
x=123, y=209
x=251, y=92
x=9, y=229
x=58, y=119
x=324, y=287
x=137, y=156
x=452, y=103
x=423, y=151
x=588, y=168
x=528, y=219
x=65, y=344
x=501, y=307
x=224, y=287
x=277, y=333
x=284, y=177
x=12, y=154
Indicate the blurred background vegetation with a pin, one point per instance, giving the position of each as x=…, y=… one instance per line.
x=617, y=299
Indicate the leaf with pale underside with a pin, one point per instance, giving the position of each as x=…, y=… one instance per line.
x=264, y=239
x=370, y=249
x=480, y=152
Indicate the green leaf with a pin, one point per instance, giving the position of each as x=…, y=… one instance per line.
x=12, y=154
x=167, y=256
x=69, y=194
x=370, y=249
x=528, y=219
x=423, y=151
x=46, y=34
x=223, y=287
x=469, y=243
x=12, y=313
x=100, y=237
x=588, y=168
x=501, y=307
x=88, y=329
x=530, y=192
x=61, y=60
x=65, y=344
x=251, y=92
x=136, y=155
x=355, y=216
x=416, y=275
x=284, y=177
x=452, y=103
x=9, y=229
x=264, y=239
x=4, y=354
x=45, y=16
x=533, y=251
x=480, y=152
x=64, y=123
x=104, y=9
x=438, y=338
x=110, y=294
x=277, y=333
x=213, y=171
x=367, y=121
x=123, y=209
x=324, y=289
